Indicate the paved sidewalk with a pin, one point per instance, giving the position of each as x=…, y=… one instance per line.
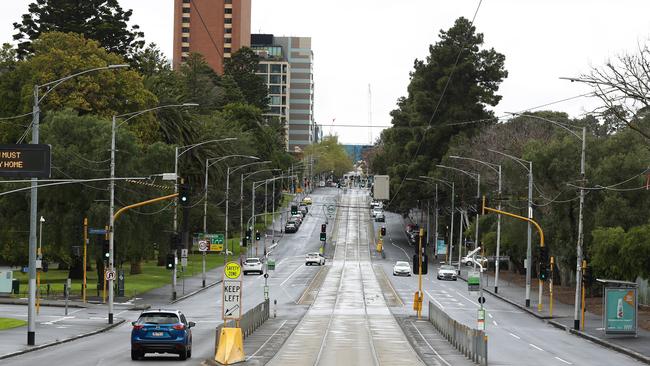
x=563, y=314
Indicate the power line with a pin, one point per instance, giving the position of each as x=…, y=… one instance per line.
x=207, y=31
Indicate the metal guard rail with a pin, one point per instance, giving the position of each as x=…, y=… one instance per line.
x=472, y=343
x=249, y=322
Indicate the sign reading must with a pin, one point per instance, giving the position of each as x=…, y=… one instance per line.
x=25, y=160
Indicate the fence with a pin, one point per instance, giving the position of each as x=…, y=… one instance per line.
x=470, y=342
x=249, y=322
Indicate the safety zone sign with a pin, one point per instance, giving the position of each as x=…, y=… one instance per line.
x=231, y=304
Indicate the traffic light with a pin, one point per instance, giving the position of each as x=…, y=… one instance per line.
x=543, y=263
x=383, y=231
x=248, y=234
x=174, y=241
x=323, y=236
x=105, y=249
x=257, y=235
x=184, y=194
x=586, y=276
x=323, y=228
x=171, y=261
x=416, y=264
x=294, y=209
x=44, y=265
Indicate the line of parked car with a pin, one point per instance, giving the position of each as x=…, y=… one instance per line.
x=377, y=210
x=294, y=222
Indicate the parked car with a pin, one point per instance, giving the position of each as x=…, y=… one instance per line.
x=252, y=265
x=375, y=203
x=379, y=217
x=297, y=218
x=468, y=261
x=401, y=269
x=447, y=272
x=290, y=227
x=314, y=258
x=161, y=331
x=321, y=183
x=303, y=209
x=411, y=228
x=307, y=200
x=376, y=210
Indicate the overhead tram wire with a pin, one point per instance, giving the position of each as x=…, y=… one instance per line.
x=442, y=95
x=198, y=12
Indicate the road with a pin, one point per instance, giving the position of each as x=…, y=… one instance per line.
x=286, y=283
x=349, y=322
x=515, y=337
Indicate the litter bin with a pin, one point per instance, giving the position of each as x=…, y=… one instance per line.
x=15, y=286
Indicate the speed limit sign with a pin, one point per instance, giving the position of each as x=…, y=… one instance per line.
x=203, y=246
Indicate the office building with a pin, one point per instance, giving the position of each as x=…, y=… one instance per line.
x=287, y=67
x=214, y=28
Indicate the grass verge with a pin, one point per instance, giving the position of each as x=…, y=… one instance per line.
x=8, y=323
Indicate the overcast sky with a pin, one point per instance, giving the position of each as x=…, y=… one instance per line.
x=361, y=42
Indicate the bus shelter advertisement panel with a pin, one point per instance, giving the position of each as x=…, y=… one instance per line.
x=620, y=307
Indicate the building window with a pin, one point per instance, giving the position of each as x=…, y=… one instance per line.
x=228, y=20
x=186, y=30
x=226, y=50
x=228, y=10
x=275, y=79
x=276, y=68
x=262, y=68
x=185, y=49
x=186, y=1
x=274, y=89
x=228, y=2
x=275, y=100
x=185, y=39
x=186, y=10
x=228, y=30
x=186, y=19
x=228, y=40
x=275, y=110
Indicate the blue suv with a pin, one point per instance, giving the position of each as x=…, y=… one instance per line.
x=161, y=331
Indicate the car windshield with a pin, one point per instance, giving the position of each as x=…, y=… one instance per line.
x=401, y=264
x=158, y=318
x=252, y=261
x=312, y=255
x=447, y=268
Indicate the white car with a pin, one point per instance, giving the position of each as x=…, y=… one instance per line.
x=468, y=261
x=401, y=269
x=377, y=210
x=314, y=258
x=252, y=265
x=447, y=272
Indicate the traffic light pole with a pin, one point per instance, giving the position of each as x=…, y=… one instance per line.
x=111, y=224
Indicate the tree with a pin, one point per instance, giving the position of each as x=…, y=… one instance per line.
x=102, y=20
x=242, y=67
x=330, y=156
x=455, y=83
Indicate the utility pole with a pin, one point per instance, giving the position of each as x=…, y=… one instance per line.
x=579, y=257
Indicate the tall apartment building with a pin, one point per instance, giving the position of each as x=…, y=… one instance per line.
x=287, y=67
x=213, y=28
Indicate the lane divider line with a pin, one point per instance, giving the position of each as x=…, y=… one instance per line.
x=514, y=335
x=534, y=346
x=559, y=359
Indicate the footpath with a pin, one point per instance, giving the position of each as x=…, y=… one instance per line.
x=563, y=317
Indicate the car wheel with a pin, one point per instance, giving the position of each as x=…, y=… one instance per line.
x=189, y=353
x=183, y=355
x=136, y=355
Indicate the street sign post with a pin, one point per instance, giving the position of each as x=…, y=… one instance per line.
x=232, y=292
x=203, y=245
x=110, y=275
x=481, y=319
x=473, y=281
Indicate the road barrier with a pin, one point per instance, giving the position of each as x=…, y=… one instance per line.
x=472, y=343
x=249, y=322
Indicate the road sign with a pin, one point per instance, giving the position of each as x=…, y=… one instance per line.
x=231, y=304
x=214, y=241
x=183, y=253
x=92, y=231
x=502, y=258
x=203, y=245
x=109, y=274
x=480, y=322
x=473, y=281
x=184, y=262
x=25, y=160
x=481, y=300
x=232, y=270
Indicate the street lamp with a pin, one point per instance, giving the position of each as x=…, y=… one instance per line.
x=477, y=177
x=428, y=215
x=497, y=169
x=178, y=151
x=449, y=184
x=31, y=319
x=111, y=210
x=529, y=250
x=579, y=254
x=241, y=199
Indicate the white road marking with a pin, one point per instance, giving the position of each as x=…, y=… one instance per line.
x=514, y=335
x=428, y=344
x=559, y=359
x=490, y=315
x=58, y=320
x=534, y=346
x=265, y=342
x=436, y=301
x=495, y=323
x=291, y=275
x=467, y=298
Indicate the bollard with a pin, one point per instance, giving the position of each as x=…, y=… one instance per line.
x=66, y=289
x=275, y=308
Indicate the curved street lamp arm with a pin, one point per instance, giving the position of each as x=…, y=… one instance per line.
x=249, y=164
x=559, y=124
x=470, y=174
x=485, y=163
x=190, y=147
x=210, y=162
x=518, y=160
x=135, y=114
x=56, y=83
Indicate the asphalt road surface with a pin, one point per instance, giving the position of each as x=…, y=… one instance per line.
x=515, y=337
x=286, y=285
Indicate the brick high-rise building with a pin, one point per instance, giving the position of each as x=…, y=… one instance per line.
x=213, y=28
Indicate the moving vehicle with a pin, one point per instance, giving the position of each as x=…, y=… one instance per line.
x=375, y=203
x=314, y=258
x=379, y=217
x=376, y=211
x=447, y=272
x=291, y=227
x=252, y=265
x=307, y=200
x=468, y=261
x=302, y=208
x=401, y=269
x=161, y=331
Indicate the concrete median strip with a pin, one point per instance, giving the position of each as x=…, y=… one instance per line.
x=46, y=345
x=196, y=291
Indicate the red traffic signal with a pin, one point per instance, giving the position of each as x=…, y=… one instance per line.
x=383, y=231
x=323, y=228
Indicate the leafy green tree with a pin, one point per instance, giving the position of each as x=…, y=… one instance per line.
x=330, y=156
x=102, y=20
x=242, y=67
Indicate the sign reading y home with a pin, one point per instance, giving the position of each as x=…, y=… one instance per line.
x=25, y=160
